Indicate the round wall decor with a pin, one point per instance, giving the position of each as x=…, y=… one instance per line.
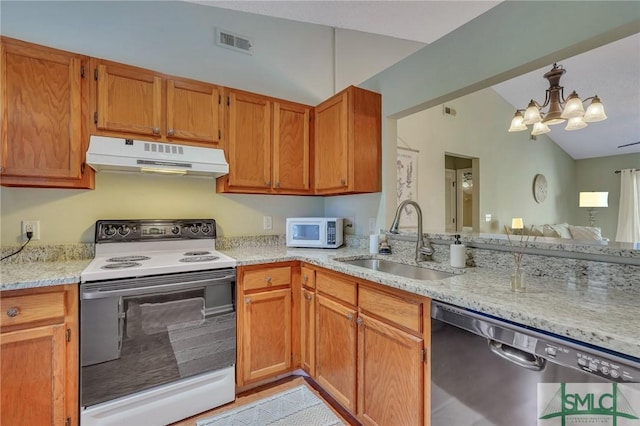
x=539, y=188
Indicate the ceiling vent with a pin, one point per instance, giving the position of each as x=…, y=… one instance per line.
x=233, y=41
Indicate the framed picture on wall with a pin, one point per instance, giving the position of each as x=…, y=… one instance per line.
x=407, y=179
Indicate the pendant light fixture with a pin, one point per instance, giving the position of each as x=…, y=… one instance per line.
x=560, y=109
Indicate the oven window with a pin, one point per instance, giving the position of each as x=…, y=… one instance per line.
x=160, y=338
x=306, y=232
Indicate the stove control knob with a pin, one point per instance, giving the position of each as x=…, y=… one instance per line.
x=551, y=351
x=109, y=230
x=124, y=230
x=194, y=229
x=604, y=370
x=205, y=229
x=615, y=374
x=175, y=230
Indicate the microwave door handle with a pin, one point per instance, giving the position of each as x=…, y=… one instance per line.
x=135, y=291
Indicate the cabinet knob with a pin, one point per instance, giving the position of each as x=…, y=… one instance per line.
x=267, y=183
x=305, y=278
x=350, y=316
x=358, y=320
x=308, y=296
x=343, y=182
x=267, y=279
x=170, y=132
x=1, y=169
x=13, y=312
x=156, y=130
x=247, y=300
x=277, y=184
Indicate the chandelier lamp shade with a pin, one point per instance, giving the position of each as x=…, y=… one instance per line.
x=559, y=109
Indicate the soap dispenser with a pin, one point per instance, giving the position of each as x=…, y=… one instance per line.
x=458, y=255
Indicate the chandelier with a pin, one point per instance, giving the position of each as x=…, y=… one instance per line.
x=560, y=109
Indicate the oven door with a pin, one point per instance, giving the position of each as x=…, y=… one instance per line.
x=140, y=333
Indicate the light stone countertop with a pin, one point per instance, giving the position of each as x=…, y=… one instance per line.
x=40, y=274
x=588, y=313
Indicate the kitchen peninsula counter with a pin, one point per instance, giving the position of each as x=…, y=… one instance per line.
x=588, y=311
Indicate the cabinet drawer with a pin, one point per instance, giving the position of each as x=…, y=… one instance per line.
x=17, y=310
x=404, y=312
x=264, y=278
x=337, y=287
x=308, y=277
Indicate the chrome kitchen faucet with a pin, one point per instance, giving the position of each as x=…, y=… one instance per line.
x=423, y=252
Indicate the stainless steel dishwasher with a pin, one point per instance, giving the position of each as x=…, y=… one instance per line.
x=485, y=372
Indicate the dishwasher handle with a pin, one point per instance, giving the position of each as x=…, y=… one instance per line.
x=516, y=356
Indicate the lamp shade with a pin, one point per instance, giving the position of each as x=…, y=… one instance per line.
x=595, y=111
x=573, y=107
x=594, y=199
x=575, y=123
x=517, y=124
x=532, y=114
x=517, y=223
x=540, y=128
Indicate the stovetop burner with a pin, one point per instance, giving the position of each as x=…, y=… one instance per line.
x=197, y=253
x=198, y=259
x=128, y=259
x=121, y=265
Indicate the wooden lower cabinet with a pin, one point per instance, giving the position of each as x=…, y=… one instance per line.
x=264, y=322
x=390, y=375
x=336, y=339
x=39, y=356
x=307, y=331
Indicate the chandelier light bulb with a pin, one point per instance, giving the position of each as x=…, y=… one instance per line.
x=532, y=114
x=573, y=108
x=575, y=123
x=540, y=129
x=517, y=124
x=595, y=111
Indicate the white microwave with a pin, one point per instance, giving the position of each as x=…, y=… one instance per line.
x=318, y=232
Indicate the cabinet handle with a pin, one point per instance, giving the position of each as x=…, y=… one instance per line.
x=358, y=320
x=170, y=132
x=267, y=183
x=156, y=130
x=1, y=169
x=247, y=300
x=307, y=296
x=343, y=182
x=305, y=278
x=13, y=312
x=277, y=184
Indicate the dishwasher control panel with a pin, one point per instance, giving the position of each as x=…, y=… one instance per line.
x=588, y=362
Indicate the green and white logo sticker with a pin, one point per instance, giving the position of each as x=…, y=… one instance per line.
x=573, y=404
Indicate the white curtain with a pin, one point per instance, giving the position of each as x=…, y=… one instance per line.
x=629, y=212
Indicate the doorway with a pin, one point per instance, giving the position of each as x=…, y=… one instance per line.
x=461, y=194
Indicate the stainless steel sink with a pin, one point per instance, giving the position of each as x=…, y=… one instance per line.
x=395, y=268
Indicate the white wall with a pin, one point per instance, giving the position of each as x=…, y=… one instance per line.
x=291, y=60
x=508, y=163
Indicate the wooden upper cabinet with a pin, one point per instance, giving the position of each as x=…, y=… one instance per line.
x=43, y=140
x=249, y=146
x=348, y=143
x=193, y=111
x=133, y=102
x=128, y=100
x=291, y=146
x=269, y=146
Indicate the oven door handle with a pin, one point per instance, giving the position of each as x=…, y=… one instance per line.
x=135, y=291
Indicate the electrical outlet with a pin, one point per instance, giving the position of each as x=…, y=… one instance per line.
x=351, y=223
x=372, y=224
x=30, y=226
x=267, y=222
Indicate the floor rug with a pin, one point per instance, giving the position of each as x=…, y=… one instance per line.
x=293, y=407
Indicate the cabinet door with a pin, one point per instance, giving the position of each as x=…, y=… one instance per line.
x=336, y=336
x=332, y=144
x=193, y=112
x=307, y=331
x=249, y=141
x=390, y=375
x=129, y=100
x=267, y=334
x=290, y=147
x=32, y=368
x=41, y=110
